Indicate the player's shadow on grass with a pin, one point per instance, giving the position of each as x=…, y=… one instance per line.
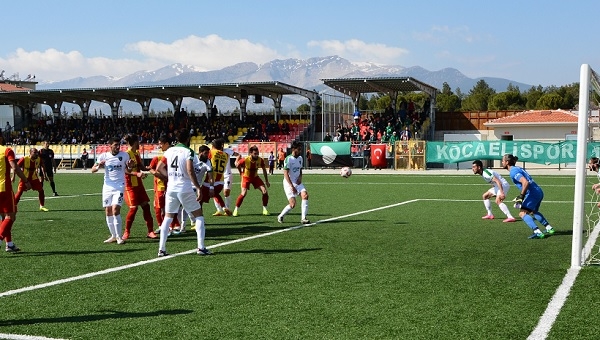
x=562, y=233
x=269, y=251
x=77, y=252
x=108, y=314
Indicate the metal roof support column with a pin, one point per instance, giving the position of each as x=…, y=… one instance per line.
x=277, y=104
x=176, y=103
x=313, y=99
x=84, y=105
x=243, y=103
x=394, y=98
x=145, y=104
x=114, y=108
x=209, y=102
x=56, y=106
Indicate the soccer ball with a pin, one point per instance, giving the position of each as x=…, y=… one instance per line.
x=346, y=172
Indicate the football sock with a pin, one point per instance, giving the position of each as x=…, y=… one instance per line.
x=488, y=206
x=159, y=216
x=42, y=197
x=118, y=221
x=265, y=200
x=304, y=208
x=130, y=217
x=164, y=233
x=227, y=200
x=285, y=210
x=239, y=200
x=148, y=217
x=53, y=186
x=505, y=210
x=200, y=231
x=530, y=222
x=111, y=226
x=538, y=216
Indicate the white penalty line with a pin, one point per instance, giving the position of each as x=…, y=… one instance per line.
x=141, y=263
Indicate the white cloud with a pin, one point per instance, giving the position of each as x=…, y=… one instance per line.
x=208, y=53
x=51, y=65
x=357, y=50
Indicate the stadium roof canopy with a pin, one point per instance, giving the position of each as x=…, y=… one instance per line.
x=174, y=93
x=390, y=85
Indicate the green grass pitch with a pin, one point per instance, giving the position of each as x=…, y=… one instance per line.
x=389, y=257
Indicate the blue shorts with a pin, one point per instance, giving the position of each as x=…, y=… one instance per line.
x=533, y=199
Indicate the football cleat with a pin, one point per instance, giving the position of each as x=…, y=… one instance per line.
x=12, y=249
x=162, y=253
x=120, y=240
x=126, y=235
x=488, y=217
x=304, y=221
x=219, y=213
x=203, y=252
x=42, y=208
x=550, y=231
x=280, y=219
x=536, y=235
x=228, y=212
x=151, y=235
x=509, y=219
x=56, y=194
x=235, y=212
x=265, y=212
x=110, y=239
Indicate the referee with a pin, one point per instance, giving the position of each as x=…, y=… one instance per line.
x=48, y=166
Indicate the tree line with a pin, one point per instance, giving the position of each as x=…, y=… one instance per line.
x=483, y=98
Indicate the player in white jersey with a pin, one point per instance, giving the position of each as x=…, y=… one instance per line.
x=178, y=165
x=292, y=183
x=116, y=164
x=499, y=190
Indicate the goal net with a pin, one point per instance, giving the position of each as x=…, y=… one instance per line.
x=586, y=213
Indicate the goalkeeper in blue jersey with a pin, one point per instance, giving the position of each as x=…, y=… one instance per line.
x=498, y=190
x=529, y=198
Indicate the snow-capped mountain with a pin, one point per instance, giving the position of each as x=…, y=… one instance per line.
x=305, y=73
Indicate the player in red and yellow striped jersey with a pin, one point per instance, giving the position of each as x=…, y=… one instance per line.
x=250, y=166
x=135, y=193
x=30, y=165
x=8, y=207
x=219, y=160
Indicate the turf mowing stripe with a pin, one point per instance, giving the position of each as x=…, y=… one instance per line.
x=562, y=292
x=141, y=263
x=25, y=337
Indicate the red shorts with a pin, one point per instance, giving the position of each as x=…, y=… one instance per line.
x=136, y=196
x=257, y=182
x=7, y=202
x=36, y=185
x=206, y=192
x=159, y=199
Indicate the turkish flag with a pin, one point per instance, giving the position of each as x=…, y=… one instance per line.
x=378, y=155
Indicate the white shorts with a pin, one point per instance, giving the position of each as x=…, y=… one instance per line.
x=112, y=196
x=494, y=191
x=227, y=181
x=173, y=200
x=288, y=189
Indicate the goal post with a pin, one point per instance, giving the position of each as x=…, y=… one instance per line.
x=588, y=82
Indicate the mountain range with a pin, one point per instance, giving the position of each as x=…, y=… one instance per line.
x=305, y=73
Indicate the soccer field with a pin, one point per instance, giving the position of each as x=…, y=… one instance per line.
x=386, y=257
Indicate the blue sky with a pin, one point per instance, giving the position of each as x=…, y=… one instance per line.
x=533, y=42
